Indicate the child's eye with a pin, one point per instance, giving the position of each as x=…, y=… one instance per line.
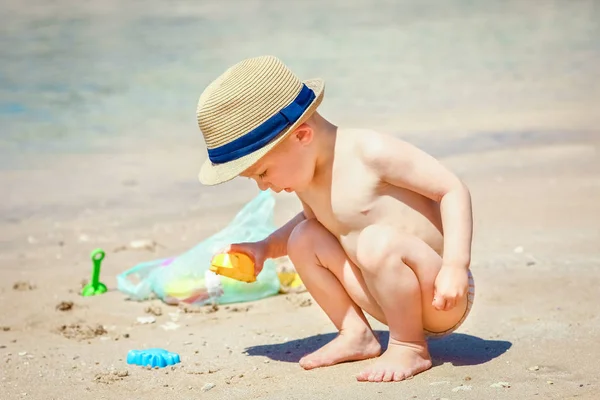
x=261, y=176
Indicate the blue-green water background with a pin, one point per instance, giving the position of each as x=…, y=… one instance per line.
x=73, y=73
x=94, y=94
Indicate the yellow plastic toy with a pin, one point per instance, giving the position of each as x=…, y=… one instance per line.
x=290, y=279
x=234, y=265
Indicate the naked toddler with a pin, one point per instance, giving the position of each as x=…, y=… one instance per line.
x=350, y=244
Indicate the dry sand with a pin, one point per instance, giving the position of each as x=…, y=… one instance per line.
x=533, y=333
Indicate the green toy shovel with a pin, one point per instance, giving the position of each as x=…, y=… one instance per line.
x=95, y=286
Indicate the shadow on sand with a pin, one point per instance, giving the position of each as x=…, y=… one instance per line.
x=457, y=348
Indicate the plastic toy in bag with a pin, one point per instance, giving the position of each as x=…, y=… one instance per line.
x=187, y=278
x=234, y=265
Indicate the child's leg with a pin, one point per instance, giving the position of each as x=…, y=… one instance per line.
x=323, y=267
x=399, y=271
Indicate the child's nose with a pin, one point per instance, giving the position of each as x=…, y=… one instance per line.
x=262, y=186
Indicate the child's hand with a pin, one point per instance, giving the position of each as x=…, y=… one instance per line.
x=451, y=285
x=257, y=251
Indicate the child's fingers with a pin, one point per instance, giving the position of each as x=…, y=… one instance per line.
x=439, y=303
x=224, y=249
x=450, y=303
x=238, y=248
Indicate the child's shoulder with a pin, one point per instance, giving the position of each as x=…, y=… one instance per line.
x=382, y=152
x=367, y=144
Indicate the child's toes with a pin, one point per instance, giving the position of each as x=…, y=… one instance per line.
x=376, y=376
x=388, y=375
x=399, y=376
x=363, y=376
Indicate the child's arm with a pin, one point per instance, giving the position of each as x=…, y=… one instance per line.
x=276, y=243
x=404, y=165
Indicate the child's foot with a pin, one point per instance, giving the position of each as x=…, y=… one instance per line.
x=348, y=346
x=400, y=361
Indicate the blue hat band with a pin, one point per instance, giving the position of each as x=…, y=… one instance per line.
x=265, y=132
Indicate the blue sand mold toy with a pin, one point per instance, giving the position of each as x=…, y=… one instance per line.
x=152, y=357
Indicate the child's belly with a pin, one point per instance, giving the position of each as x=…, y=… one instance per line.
x=418, y=216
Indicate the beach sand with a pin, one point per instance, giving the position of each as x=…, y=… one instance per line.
x=534, y=325
x=99, y=147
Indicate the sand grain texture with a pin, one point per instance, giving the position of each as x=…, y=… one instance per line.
x=533, y=329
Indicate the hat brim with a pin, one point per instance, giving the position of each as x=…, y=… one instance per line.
x=214, y=174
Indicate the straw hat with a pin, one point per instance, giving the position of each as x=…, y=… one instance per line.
x=248, y=110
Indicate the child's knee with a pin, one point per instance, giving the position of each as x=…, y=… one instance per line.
x=378, y=245
x=303, y=238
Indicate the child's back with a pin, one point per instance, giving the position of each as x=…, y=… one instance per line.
x=369, y=238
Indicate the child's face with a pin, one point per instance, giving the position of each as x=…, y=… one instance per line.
x=289, y=166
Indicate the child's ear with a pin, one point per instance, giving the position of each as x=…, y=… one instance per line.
x=304, y=134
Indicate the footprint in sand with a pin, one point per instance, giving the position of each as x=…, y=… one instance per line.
x=23, y=286
x=111, y=377
x=81, y=332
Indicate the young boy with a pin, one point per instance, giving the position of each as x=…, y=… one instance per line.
x=350, y=244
